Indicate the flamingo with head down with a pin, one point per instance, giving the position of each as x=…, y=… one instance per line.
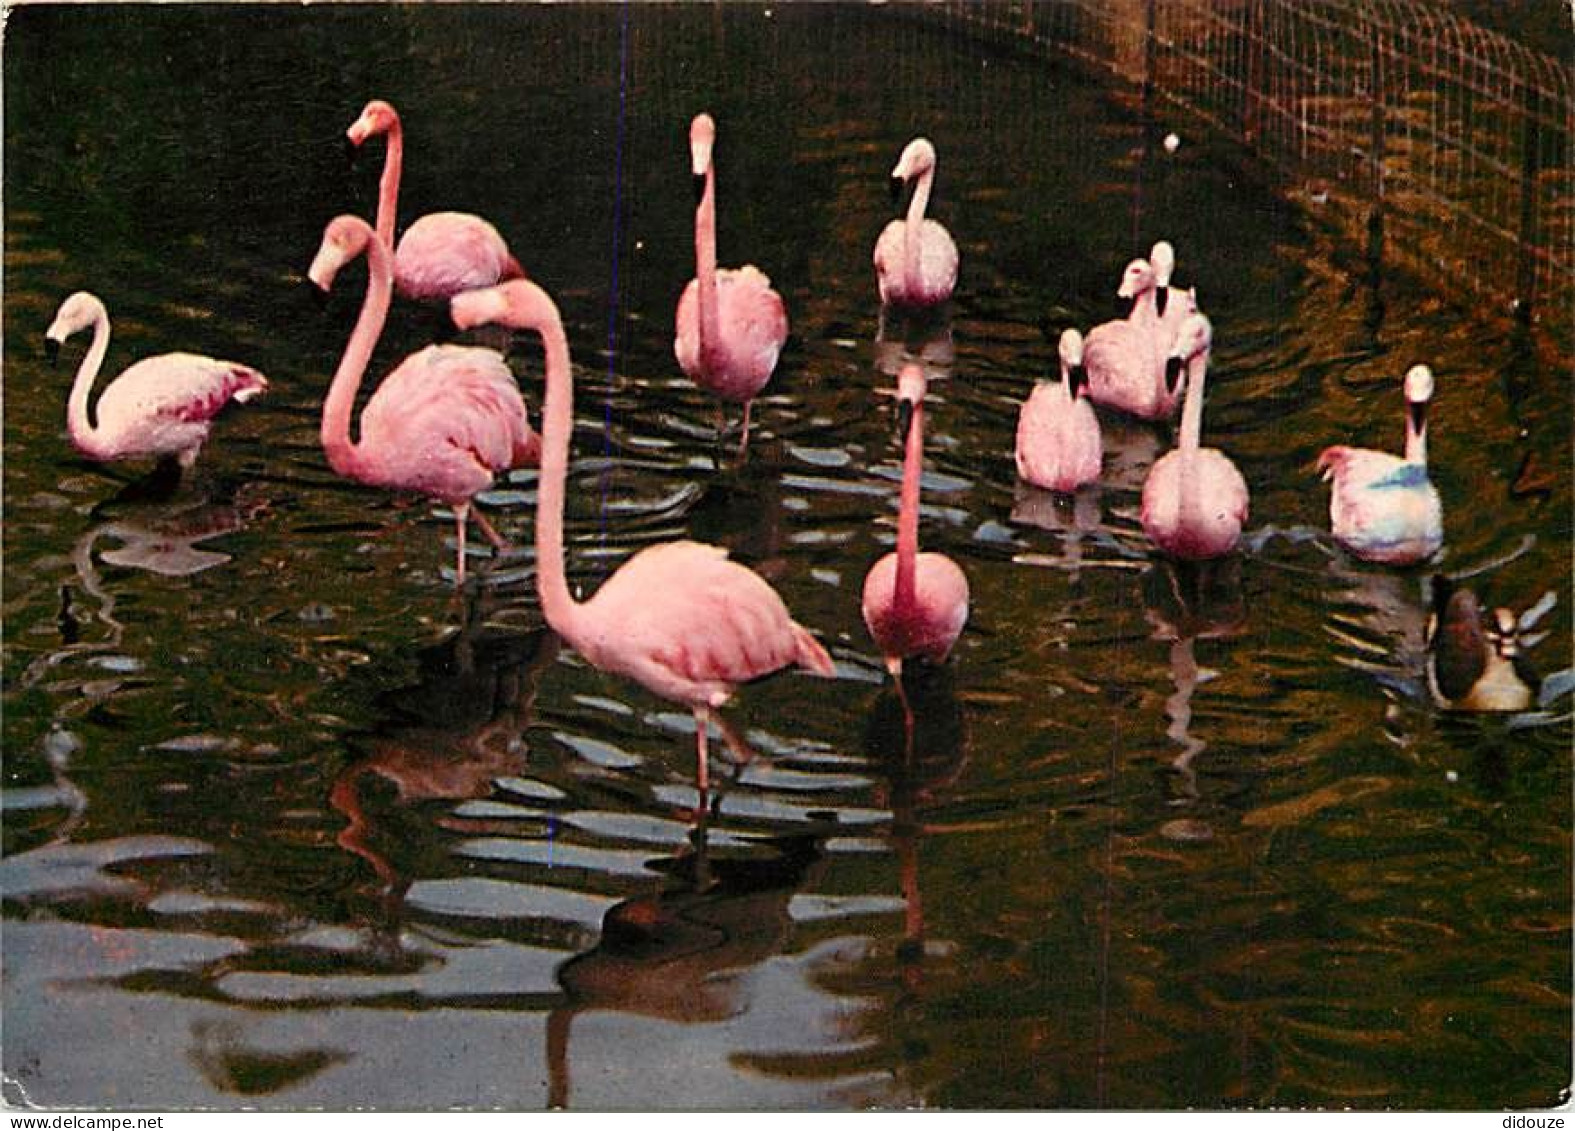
x=915, y=605
x=731, y=324
x=161, y=406
x=1194, y=499
x=1384, y=508
x=915, y=257
x=443, y=424
x=678, y=617
x=441, y=253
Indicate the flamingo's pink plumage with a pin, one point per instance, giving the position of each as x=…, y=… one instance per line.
x=914, y=604
x=678, y=618
x=441, y=253
x=443, y=424
x=1383, y=507
x=915, y=257
x=731, y=326
x=159, y=406
x=1194, y=499
x=1125, y=357
x=1058, y=441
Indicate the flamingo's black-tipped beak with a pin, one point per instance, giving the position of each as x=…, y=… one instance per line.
x=895, y=187
x=352, y=151
x=1416, y=412
x=1161, y=297
x=1077, y=380
x=52, y=350
x=319, y=295
x=904, y=418
x=1124, y=305
x=697, y=182
x=1173, y=368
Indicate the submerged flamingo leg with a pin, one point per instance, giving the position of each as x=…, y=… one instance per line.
x=461, y=511
x=743, y=443
x=702, y=763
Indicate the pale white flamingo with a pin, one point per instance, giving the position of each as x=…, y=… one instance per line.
x=731, y=325
x=161, y=406
x=1384, y=508
x=914, y=604
x=441, y=253
x=1194, y=499
x=1058, y=441
x=442, y=424
x=678, y=617
x=915, y=257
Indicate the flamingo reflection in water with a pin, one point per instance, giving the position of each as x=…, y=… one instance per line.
x=917, y=736
x=460, y=729
x=682, y=953
x=1186, y=602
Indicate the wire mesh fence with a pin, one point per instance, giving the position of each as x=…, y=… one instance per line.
x=1444, y=146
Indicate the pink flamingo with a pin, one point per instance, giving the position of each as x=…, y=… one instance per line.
x=442, y=253
x=1058, y=442
x=1126, y=357
x=161, y=406
x=678, y=618
x=443, y=423
x=1384, y=508
x=1194, y=499
x=915, y=258
x=731, y=324
x=914, y=604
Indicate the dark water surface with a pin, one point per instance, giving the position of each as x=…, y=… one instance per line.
x=287, y=824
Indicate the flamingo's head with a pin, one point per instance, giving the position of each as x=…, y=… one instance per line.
x=377, y=118
x=345, y=238
x=1071, y=350
x=518, y=303
x=702, y=139
x=1136, y=279
x=1193, y=340
x=1418, y=391
x=918, y=158
x=79, y=311
x=911, y=388
x=1163, y=257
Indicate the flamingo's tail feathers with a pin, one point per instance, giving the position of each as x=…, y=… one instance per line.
x=248, y=383
x=811, y=654
x=1330, y=460
x=512, y=269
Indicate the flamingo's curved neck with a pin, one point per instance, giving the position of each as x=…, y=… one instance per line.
x=1145, y=309
x=1191, y=437
x=1416, y=432
x=345, y=457
x=84, y=435
x=388, y=184
x=705, y=268
x=908, y=512
x=913, y=231
x=563, y=613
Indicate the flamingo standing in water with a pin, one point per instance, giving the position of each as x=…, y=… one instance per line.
x=1384, y=508
x=1058, y=442
x=915, y=258
x=442, y=253
x=914, y=604
x=731, y=324
x=1194, y=499
x=161, y=406
x=1126, y=357
x=442, y=424
x=678, y=617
